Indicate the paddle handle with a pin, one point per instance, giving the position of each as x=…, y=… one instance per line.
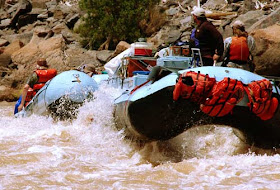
x=215, y=62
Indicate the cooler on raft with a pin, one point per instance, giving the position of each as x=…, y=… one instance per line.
x=175, y=62
x=139, y=63
x=142, y=49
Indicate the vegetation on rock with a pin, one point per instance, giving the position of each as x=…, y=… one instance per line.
x=109, y=21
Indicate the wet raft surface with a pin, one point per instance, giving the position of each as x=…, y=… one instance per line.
x=165, y=118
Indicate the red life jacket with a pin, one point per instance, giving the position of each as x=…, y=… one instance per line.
x=193, y=86
x=29, y=96
x=239, y=50
x=224, y=96
x=260, y=97
x=43, y=77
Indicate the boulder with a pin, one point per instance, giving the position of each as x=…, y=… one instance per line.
x=215, y=4
x=3, y=42
x=23, y=7
x=72, y=20
x=39, y=3
x=14, y=46
x=23, y=37
x=5, y=57
x=8, y=94
x=248, y=19
x=122, y=45
x=26, y=19
x=5, y=60
x=75, y=57
x=104, y=56
x=267, y=21
x=267, y=50
x=168, y=34
x=5, y=23
x=51, y=49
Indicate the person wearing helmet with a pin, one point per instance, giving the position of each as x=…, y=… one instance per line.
x=238, y=48
x=207, y=38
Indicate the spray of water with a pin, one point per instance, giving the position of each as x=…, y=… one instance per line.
x=88, y=152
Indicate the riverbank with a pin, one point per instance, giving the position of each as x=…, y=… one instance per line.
x=53, y=37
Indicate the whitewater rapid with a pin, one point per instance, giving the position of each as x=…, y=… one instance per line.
x=89, y=153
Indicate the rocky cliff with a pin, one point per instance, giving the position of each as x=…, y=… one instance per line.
x=44, y=28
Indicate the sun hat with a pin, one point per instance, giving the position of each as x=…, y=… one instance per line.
x=42, y=63
x=198, y=11
x=238, y=23
x=89, y=69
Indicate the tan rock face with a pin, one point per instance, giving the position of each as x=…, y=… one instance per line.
x=267, y=51
x=271, y=33
x=13, y=47
x=8, y=94
x=122, y=46
x=5, y=60
x=5, y=56
x=39, y=3
x=25, y=57
x=51, y=44
x=51, y=36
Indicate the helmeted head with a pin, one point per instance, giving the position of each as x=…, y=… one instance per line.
x=42, y=64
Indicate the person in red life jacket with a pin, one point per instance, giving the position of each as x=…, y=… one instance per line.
x=210, y=40
x=36, y=81
x=238, y=48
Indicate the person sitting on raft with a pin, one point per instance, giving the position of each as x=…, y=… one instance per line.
x=238, y=48
x=35, y=82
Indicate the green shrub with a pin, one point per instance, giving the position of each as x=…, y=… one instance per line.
x=110, y=21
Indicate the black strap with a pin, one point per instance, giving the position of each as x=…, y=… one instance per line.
x=227, y=96
x=223, y=104
x=198, y=73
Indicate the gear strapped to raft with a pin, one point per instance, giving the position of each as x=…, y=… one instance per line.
x=224, y=96
x=194, y=86
x=260, y=97
x=218, y=99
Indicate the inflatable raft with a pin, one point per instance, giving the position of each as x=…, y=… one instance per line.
x=162, y=109
x=62, y=95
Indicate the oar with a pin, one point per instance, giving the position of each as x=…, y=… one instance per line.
x=172, y=70
x=215, y=62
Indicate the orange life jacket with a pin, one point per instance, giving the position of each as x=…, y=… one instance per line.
x=260, y=97
x=194, y=86
x=239, y=49
x=43, y=77
x=224, y=96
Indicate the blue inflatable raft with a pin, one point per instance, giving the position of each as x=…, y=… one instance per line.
x=149, y=112
x=61, y=96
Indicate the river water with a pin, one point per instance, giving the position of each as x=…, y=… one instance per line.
x=89, y=153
